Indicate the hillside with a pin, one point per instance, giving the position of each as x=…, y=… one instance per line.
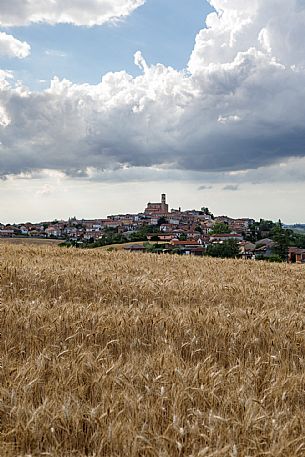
x=298, y=228
x=119, y=354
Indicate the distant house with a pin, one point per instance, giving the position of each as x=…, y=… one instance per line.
x=174, y=221
x=6, y=233
x=92, y=235
x=24, y=230
x=241, y=225
x=187, y=243
x=53, y=231
x=109, y=223
x=265, y=242
x=161, y=236
x=166, y=227
x=189, y=247
x=193, y=250
x=221, y=237
x=247, y=250
x=296, y=255
x=264, y=247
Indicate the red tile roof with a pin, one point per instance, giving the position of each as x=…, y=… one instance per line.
x=226, y=235
x=185, y=243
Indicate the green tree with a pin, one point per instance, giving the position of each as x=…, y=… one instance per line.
x=141, y=235
x=206, y=211
x=161, y=221
x=220, y=227
x=252, y=234
x=297, y=239
x=227, y=249
x=274, y=258
x=260, y=230
x=281, y=237
x=149, y=247
x=264, y=229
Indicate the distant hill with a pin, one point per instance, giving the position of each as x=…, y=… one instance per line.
x=299, y=228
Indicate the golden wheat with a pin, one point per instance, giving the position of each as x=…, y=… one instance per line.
x=118, y=354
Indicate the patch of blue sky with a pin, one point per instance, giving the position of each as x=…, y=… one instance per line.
x=163, y=30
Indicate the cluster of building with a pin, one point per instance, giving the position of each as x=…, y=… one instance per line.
x=190, y=231
x=175, y=222
x=198, y=245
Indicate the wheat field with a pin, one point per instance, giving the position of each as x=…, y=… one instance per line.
x=119, y=354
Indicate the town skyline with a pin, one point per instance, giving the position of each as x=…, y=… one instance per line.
x=196, y=232
x=171, y=209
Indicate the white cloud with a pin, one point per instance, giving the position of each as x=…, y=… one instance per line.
x=77, y=12
x=274, y=27
x=44, y=191
x=236, y=108
x=11, y=47
x=55, y=53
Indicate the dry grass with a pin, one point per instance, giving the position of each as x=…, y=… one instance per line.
x=119, y=354
x=30, y=241
x=119, y=247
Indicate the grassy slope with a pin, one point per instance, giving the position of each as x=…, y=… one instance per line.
x=30, y=241
x=119, y=247
x=118, y=354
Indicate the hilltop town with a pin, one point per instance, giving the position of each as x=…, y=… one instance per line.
x=191, y=232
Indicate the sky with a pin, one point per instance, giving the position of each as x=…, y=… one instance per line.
x=104, y=105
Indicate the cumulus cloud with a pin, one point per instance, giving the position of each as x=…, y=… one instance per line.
x=77, y=12
x=236, y=107
x=11, y=47
x=273, y=27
